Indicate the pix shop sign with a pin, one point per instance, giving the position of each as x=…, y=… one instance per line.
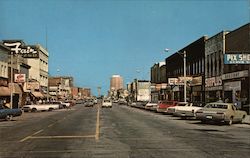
x=20, y=78
x=237, y=58
x=16, y=47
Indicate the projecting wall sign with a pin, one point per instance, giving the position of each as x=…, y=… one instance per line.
x=237, y=58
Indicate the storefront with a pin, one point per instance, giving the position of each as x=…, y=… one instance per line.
x=197, y=90
x=214, y=89
x=236, y=87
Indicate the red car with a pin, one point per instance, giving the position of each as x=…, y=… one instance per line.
x=163, y=105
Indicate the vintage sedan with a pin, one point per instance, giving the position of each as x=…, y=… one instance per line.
x=8, y=114
x=163, y=105
x=188, y=111
x=221, y=112
x=179, y=105
x=149, y=105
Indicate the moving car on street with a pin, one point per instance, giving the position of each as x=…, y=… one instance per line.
x=8, y=114
x=106, y=103
x=221, y=112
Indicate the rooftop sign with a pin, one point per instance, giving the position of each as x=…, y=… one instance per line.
x=16, y=47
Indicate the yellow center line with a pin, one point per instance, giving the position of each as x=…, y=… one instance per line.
x=97, y=131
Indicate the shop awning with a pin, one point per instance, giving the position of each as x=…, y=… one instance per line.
x=16, y=88
x=4, y=91
x=38, y=94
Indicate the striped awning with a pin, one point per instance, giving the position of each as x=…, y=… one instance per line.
x=4, y=91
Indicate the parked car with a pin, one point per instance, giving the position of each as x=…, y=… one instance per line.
x=8, y=114
x=149, y=105
x=40, y=107
x=141, y=104
x=171, y=110
x=188, y=111
x=221, y=112
x=163, y=105
x=106, y=103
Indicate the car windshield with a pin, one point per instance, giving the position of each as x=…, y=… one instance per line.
x=219, y=106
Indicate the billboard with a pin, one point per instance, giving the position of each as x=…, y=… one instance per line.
x=18, y=47
x=237, y=58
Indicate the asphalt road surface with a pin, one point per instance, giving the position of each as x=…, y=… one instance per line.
x=119, y=132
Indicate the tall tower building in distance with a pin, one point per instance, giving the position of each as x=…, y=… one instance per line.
x=116, y=83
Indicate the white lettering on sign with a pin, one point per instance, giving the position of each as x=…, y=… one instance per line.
x=15, y=47
x=237, y=58
x=213, y=82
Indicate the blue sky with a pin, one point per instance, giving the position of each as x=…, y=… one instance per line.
x=93, y=39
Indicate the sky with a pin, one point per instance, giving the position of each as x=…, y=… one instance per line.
x=91, y=40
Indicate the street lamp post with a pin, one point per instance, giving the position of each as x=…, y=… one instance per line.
x=184, y=73
x=11, y=80
x=185, y=82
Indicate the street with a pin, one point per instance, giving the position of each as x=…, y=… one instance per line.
x=118, y=132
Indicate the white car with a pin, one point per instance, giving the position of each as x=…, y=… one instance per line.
x=180, y=105
x=187, y=111
x=106, y=104
x=40, y=107
x=150, y=105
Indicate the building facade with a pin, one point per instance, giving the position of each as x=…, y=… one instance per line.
x=214, y=66
x=195, y=72
x=4, y=89
x=236, y=80
x=116, y=83
x=40, y=68
x=60, y=87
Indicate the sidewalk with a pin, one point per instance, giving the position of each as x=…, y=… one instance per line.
x=247, y=120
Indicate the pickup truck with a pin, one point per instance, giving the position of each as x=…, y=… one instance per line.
x=40, y=107
x=8, y=114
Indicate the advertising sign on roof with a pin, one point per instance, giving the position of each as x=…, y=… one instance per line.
x=17, y=47
x=237, y=58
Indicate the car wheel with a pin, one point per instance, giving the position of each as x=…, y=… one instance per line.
x=230, y=122
x=242, y=119
x=9, y=118
x=203, y=121
x=34, y=110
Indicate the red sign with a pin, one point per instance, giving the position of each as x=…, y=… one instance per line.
x=20, y=78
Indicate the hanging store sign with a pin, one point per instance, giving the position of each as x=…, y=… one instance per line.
x=32, y=85
x=196, y=81
x=16, y=47
x=20, y=78
x=172, y=81
x=237, y=58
